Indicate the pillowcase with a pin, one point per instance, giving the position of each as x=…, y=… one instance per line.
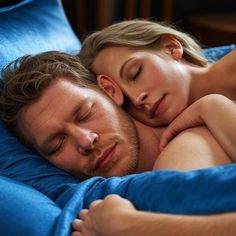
x=34, y=26
x=215, y=53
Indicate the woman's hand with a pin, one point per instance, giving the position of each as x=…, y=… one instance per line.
x=192, y=116
x=215, y=111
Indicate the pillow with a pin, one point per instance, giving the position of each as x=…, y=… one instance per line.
x=34, y=26
x=214, y=54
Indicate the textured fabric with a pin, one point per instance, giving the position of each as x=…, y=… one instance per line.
x=25, y=211
x=32, y=27
x=214, y=54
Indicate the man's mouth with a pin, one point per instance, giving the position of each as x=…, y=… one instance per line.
x=105, y=158
x=157, y=107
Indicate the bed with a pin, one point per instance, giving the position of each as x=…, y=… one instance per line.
x=36, y=198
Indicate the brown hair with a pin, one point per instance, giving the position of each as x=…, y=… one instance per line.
x=24, y=80
x=140, y=34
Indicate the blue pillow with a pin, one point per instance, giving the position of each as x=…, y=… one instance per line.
x=34, y=26
x=214, y=54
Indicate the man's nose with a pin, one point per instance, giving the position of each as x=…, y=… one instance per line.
x=84, y=139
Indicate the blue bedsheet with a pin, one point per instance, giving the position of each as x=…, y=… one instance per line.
x=39, y=199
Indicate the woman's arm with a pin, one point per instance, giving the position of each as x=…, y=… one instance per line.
x=215, y=111
x=116, y=216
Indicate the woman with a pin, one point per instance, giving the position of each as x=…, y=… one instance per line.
x=161, y=72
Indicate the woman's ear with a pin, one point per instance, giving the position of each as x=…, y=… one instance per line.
x=171, y=46
x=109, y=86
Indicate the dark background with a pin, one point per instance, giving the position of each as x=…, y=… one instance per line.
x=212, y=22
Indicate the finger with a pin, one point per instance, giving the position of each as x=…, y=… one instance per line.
x=83, y=213
x=76, y=233
x=165, y=138
x=163, y=143
x=95, y=203
x=76, y=224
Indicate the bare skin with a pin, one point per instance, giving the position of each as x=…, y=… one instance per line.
x=215, y=111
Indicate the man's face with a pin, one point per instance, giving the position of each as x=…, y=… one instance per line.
x=81, y=131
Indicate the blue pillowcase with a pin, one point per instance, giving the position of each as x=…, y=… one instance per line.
x=214, y=54
x=33, y=26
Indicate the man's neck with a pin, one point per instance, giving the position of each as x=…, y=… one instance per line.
x=149, y=146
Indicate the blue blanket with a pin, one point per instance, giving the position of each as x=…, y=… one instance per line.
x=39, y=199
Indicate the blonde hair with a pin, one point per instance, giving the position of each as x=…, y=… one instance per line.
x=140, y=34
x=24, y=80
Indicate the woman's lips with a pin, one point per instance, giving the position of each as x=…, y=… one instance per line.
x=105, y=158
x=157, y=107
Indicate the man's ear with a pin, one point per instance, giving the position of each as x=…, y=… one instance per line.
x=171, y=46
x=109, y=86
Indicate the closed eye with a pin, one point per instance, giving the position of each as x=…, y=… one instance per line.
x=138, y=72
x=134, y=73
x=57, y=146
x=86, y=112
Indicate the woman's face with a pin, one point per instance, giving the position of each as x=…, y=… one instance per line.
x=154, y=83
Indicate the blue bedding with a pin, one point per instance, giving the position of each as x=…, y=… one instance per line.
x=36, y=198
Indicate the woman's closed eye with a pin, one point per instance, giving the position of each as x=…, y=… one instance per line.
x=134, y=73
x=138, y=72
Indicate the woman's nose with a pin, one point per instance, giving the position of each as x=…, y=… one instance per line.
x=140, y=100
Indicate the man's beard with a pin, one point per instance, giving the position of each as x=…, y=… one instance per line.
x=128, y=127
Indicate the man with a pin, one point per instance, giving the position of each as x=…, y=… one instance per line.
x=52, y=104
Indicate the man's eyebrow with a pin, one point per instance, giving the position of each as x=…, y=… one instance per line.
x=123, y=66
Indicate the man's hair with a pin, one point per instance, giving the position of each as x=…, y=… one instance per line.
x=139, y=34
x=24, y=80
